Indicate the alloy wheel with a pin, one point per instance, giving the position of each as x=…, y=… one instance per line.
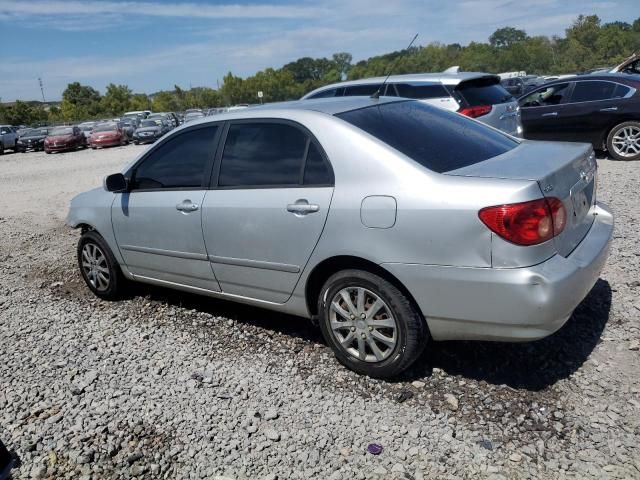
x=363, y=324
x=95, y=267
x=626, y=141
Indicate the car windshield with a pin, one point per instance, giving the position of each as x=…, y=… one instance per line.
x=86, y=128
x=61, y=131
x=437, y=139
x=37, y=132
x=105, y=127
x=149, y=123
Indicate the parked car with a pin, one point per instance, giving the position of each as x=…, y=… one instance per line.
x=32, y=140
x=476, y=95
x=60, y=139
x=86, y=128
x=603, y=110
x=388, y=220
x=189, y=116
x=109, y=134
x=8, y=138
x=129, y=125
x=518, y=86
x=142, y=114
x=6, y=462
x=150, y=130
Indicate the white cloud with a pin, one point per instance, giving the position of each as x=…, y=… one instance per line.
x=72, y=8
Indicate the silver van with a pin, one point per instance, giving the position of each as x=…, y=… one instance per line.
x=476, y=95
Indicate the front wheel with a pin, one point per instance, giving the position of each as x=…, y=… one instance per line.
x=623, y=142
x=372, y=327
x=98, y=266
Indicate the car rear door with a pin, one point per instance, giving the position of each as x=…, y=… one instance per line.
x=267, y=208
x=544, y=112
x=158, y=223
x=593, y=109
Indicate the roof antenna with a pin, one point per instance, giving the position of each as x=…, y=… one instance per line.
x=376, y=94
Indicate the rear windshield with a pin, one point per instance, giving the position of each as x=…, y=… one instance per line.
x=437, y=139
x=482, y=91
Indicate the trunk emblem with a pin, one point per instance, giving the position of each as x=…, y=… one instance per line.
x=547, y=188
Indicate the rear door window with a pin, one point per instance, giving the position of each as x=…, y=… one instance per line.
x=356, y=90
x=262, y=154
x=437, y=139
x=482, y=91
x=589, y=91
x=421, y=90
x=331, y=92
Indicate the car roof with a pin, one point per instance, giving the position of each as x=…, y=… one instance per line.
x=438, y=77
x=329, y=106
x=600, y=76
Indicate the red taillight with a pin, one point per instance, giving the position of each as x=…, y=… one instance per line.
x=527, y=223
x=475, y=112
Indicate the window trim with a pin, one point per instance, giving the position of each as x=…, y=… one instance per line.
x=629, y=94
x=573, y=83
x=215, y=174
x=130, y=173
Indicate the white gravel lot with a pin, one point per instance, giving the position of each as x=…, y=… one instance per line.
x=170, y=385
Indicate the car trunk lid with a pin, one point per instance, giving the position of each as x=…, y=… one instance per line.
x=566, y=171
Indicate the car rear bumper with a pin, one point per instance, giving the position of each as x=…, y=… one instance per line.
x=516, y=304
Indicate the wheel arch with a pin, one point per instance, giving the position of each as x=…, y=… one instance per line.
x=323, y=270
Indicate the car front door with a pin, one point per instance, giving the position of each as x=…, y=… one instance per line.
x=158, y=223
x=543, y=113
x=267, y=208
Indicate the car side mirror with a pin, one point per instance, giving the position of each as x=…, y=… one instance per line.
x=116, y=183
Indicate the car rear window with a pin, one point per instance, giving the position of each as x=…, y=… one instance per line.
x=437, y=139
x=482, y=91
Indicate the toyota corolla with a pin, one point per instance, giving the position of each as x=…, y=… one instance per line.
x=389, y=221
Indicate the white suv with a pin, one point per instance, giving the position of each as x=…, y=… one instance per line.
x=476, y=95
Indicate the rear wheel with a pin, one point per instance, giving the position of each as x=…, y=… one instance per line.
x=372, y=327
x=623, y=142
x=98, y=266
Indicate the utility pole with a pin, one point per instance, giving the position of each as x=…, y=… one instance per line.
x=41, y=89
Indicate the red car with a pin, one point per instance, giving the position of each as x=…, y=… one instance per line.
x=61, y=139
x=107, y=135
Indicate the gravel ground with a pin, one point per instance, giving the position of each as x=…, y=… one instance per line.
x=170, y=385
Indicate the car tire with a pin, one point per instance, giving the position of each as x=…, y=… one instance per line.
x=400, y=330
x=98, y=266
x=47, y=152
x=1, y=148
x=616, y=146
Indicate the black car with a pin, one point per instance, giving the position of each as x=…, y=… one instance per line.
x=33, y=139
x=603, y=110
x=517, y=86
x=150, y=130
x=6, y=462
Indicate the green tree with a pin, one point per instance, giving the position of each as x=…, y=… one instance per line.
x=79, y=102
x=165, y=102
x=116, y=100
x=506, y=37
x=140, y=101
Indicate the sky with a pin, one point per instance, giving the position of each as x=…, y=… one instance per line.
x=152, y=45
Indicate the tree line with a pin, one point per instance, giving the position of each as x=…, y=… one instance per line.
x=587, y=44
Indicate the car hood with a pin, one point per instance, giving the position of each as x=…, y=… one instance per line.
x=109, y=133
x=60, y=138
x=148, y=129
x=33, y=137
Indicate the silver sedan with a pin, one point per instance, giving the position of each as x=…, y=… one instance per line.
x=389, y=221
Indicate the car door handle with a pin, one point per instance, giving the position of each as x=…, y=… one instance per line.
x=187, y=206
x=609, y=109
x=302, y=207
x=550, y=114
